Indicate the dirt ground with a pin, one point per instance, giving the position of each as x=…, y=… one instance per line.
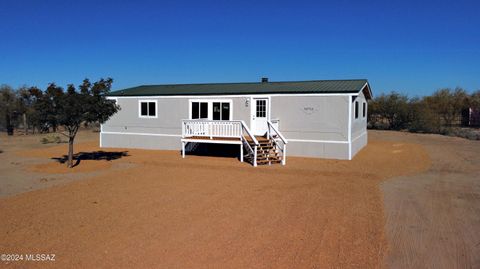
x=16, y=168
x=152, y=209
x=433, y=218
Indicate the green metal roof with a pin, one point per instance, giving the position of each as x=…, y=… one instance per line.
x=314, y=86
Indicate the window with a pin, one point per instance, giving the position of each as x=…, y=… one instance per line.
x=199, y=110
x=221, y=111
x=364, y=110
x=148, y=109
x=356, y=109
x=261, y=108
x=211, y=109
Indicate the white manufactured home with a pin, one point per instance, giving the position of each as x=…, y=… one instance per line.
x=321, y=118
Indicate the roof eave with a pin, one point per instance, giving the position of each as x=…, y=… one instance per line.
x=114, y=94
x=367, y=91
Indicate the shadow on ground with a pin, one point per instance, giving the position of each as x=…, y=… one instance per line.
x=213, y=150
x=94, y=155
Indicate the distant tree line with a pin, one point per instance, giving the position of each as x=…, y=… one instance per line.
x=33, y=110
x=29, y=108
x=441, y=112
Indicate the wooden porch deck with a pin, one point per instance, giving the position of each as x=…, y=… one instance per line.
x=219, y=140
x=260, y=149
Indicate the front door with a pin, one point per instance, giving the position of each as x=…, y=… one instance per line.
x=260, y=110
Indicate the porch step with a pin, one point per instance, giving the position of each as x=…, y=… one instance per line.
x=268, y=162
x=267, y=152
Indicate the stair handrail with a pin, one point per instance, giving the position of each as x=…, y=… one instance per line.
x=283, y=147
x=249, y=133
x=255, y=141
x=270, y=125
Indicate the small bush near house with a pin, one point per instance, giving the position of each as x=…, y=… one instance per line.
x=52, y=138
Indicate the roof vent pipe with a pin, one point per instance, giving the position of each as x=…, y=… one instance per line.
x=264, y=80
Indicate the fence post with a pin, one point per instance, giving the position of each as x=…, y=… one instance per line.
x=210, y=127
x=183, y=129
x=183, y=149
x=241, y=153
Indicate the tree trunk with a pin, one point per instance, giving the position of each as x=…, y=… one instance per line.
x=8, y=123
x=25, y=127
x=70, y=152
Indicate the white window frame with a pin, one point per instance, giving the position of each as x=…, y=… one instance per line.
x=140, y=109
x=364, y=110
x=356, y=110
x=210, y=107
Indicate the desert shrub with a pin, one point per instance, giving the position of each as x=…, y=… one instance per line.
x=448, y=104
x=377, y=123
x=474, y=99
x=468, y=133
x=52, y=138
x=422, y=118
x=389, y=111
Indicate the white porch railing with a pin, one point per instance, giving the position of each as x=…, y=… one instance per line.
x=211, y=128
x=220, y=129
x=274, y=135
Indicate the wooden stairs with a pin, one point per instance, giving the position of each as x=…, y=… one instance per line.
x=267, y=152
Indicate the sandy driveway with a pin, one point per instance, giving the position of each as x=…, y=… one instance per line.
x=151, y=209
x=433, y=218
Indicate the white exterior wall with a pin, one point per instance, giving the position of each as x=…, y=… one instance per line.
x=314, y=125
x=359, y=125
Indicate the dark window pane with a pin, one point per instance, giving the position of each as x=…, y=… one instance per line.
x=356, y=110
x=203, y=110
x=216, y=111
x=261, y=108
x=225, y=111
x=144, y=108
x=364, y=109
x=151, y=109
x=257, y=107
x=195, y=110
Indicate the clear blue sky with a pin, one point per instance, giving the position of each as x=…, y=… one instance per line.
x=414, y=47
